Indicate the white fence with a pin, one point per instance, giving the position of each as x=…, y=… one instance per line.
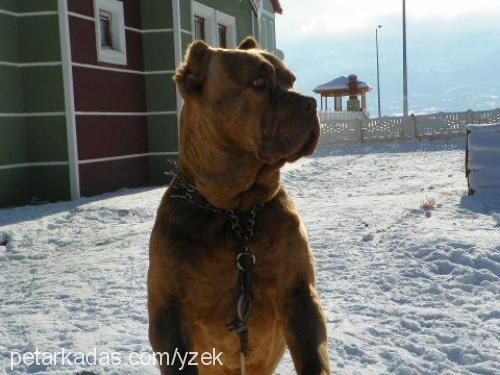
x=344, y=127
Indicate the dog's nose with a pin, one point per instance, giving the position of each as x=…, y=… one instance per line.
x=309, y=104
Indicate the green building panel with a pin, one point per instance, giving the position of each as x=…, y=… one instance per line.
x=186, y=40
x=46, y=138
x=9, y=5
x=13, y=145
x=160, y=93
x=156, y=14
x=26, y=139
x=49, y=183
x=11, y=89
x=32, y=184
x=29, y=39
x=43, y=89
x=14, y=187
x=23, y=6
x=36, y=5
x=162, y=133
x=9, y=43
x=158, y=51
x=39, y=39
x=185, y=10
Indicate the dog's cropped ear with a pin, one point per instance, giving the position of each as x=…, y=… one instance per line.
x=249, y=43
x=191, y=74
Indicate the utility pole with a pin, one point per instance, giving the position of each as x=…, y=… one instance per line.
x=405, y=69
x=378, y=71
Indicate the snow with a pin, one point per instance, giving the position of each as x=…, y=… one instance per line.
x=404, y=292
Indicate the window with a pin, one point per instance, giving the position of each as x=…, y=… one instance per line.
x=110, y=32
x=199, y=28
x=105, y=29
x=214, y=27
x=222, y=36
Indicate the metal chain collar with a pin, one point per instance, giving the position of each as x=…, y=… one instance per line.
x=245, y=259
x=184, y=190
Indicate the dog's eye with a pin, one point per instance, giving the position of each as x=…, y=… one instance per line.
x=259, y=82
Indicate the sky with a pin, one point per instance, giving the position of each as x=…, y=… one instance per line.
x=453, y=49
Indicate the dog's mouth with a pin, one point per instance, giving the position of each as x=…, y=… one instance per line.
x=305, y=148
x=311, y=142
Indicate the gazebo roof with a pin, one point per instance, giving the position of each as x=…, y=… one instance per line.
x=340, y=86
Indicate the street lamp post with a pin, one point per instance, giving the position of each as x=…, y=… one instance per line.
x=405, y=69
x=378, y=72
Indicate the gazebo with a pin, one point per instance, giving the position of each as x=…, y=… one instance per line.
x=344, y=86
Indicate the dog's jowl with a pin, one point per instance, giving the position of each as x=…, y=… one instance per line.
x=231, y=274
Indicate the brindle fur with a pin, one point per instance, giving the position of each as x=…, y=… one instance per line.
x=234, y=139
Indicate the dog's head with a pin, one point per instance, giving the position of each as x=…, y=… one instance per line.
x=245, y=98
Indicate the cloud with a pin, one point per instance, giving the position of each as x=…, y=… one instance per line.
x=320, y=18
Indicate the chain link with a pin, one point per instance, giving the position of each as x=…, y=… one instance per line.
x=183, y=190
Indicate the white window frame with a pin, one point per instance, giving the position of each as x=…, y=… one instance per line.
x=212, y=18
x=118, y=54
x=208, y=14
x=230, y=23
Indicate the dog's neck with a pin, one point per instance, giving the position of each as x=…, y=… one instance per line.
x=225, y=176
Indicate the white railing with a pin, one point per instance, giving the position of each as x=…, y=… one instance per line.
x=326, y=116
x=356, y=127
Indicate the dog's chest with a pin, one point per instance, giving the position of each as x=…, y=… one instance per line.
x=211, y=283
x=210, y=302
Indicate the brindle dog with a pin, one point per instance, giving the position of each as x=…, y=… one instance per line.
x=240, y=122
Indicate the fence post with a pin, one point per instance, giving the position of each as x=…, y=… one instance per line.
x=409, y=127
x=404, y=124
x=364, y=124
x=470, y=117
x=359, y=128
x=413, y=126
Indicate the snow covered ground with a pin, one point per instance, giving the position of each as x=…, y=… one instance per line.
x=405, y=291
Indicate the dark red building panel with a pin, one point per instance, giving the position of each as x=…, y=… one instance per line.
x=83, y=45
x=106, y=136
x=85, y=7
x=83, y=40
x=106, y=91
x=98, y=178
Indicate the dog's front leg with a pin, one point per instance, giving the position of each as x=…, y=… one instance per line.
x=305, y=330
x=168, y=340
